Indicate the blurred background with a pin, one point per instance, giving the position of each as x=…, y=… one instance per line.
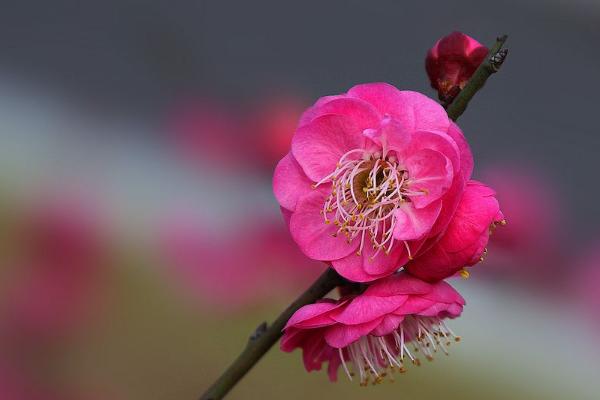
x=140, y=243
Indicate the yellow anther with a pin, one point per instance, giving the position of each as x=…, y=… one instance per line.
x=464, y=274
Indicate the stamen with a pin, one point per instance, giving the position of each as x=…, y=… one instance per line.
x=375, y=356
x=366, y=191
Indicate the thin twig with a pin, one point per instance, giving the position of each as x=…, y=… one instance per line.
x=492, y=64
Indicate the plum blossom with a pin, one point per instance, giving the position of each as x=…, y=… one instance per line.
x=377, y=332
x=451, y=62
x=373, y=175
x=464, y=242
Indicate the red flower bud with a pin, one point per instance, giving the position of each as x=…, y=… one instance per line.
x=451, y=62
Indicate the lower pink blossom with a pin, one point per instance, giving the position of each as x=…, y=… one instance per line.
x=377, y=332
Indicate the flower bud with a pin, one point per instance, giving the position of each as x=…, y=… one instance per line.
x=451, y=62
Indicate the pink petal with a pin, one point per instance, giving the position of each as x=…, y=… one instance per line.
x=389, y=324
x=332, y=368
x=315, y=111
x=465, y=238
x=450, y=202
x=438, y=141
x=312, y=314
x=413, y=110
x=399, y=284
x=350, y=267
x=390, y=135
x=340, y=336
x=370, y=267
x=359, y=112
x=413, y=223
x=435, y=264
x=435, y=310
x=289, y=182
x=444, y=293
x=319, y=145
x=466, y=156
x=474, y=214
x=311, y=233
x=414, y=305
x=430, y=172
x=366, y=308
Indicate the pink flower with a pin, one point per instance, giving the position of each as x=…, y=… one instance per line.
x=202, y=263
x=272, y=125
x=529, y=247
x=372, y=175
x=57, y=284
x=451, y=62
x=465, y=240
x=372, y=331
x=206, y=133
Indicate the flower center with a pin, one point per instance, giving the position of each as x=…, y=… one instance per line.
x=365, y=192
x=372, y=357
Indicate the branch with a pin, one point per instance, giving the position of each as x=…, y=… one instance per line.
x=265, y=336
x=491, y=65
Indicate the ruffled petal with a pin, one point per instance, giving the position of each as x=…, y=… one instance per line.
x=340, y=336
x=290, y=182
x=474, y=214
x=466, y=156
x=371, y=267
x=413, y=110
x=398, y=284
x=388, y=325
x=315, y=238
x=413, y=223
x=366, y=308
x=361, y=113
x=319, y=145
x=430, y=176
x=313, y=315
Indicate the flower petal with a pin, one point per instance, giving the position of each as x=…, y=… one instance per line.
x=366, y=308
x=466, y=156
x=289, y=182
x=319, y=145
x=340, y=336
x=314, y=237
x=401, y=283
x=414, y=110
x=476, y=211
x=430, y=176
x=358, y=111
x=307, y=316
x=389, y=324
x=370, y=267
x=413, y=223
